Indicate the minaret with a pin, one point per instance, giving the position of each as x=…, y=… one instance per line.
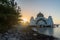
x=32, y=21
x=50, y=21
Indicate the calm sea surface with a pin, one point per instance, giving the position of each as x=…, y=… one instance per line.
x=49, y=31
x=56, y=32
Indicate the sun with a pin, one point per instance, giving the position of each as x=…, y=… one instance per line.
x=24, y=20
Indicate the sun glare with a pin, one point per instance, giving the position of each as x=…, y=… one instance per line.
x=24, y=20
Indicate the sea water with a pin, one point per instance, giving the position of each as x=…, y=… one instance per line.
x=49, y=31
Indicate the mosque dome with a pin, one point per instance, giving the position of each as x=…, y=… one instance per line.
x=40, y=15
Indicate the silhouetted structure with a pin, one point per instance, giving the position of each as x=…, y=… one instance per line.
x=41, y=21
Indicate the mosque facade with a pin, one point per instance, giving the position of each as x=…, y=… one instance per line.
x=41, y=21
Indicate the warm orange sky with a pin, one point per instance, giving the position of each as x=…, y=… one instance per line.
x=28, y=15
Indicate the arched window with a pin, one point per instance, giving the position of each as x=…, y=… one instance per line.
x=41, y=20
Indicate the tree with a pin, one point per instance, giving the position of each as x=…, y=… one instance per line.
x=9, y=14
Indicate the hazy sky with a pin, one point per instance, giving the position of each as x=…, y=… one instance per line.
x=47, y=7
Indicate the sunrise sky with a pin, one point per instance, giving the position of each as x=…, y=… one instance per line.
x=47, y=7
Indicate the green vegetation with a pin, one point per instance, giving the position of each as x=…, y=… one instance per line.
x=9, y=14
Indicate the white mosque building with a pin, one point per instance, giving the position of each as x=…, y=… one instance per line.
x=41, y=21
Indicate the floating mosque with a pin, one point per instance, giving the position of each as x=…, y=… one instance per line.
x=41, y=21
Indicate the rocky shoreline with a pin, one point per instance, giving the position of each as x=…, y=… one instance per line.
x=19, y=35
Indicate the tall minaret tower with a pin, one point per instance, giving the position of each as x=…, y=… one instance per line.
x=32, y=21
